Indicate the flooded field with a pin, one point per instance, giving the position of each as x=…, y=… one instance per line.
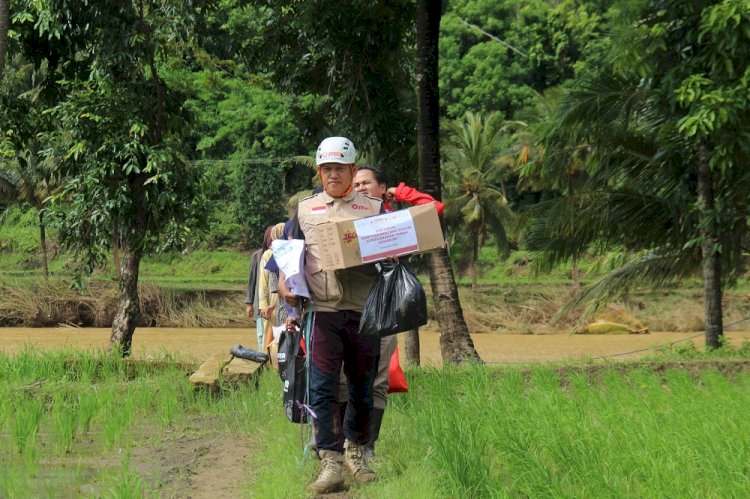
x=197, y=344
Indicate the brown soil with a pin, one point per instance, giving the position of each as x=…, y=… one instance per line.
x=202, y=466
x=184, y=464
x=197, y=344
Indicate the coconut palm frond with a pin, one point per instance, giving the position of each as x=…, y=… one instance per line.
x=472, y=211
x=295, y=198
x=651, y=269
x=8, y=189
x=500, y=234
x=609, y=258
x=305, y=161
x=557, y=233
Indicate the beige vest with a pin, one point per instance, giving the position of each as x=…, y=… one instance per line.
x=344, y=289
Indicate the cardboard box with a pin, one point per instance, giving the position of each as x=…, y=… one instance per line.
x=348, y=243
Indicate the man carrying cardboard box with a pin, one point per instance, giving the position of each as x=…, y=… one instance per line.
x=337, y=298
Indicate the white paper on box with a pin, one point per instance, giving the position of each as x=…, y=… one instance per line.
x=389, y=234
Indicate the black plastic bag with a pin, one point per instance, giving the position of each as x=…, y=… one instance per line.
x=396, y=302
x=293, y=374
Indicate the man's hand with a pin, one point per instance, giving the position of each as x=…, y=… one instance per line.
x=249, y=310
x=285, y=293
x=290, y=298
x=390, y=194
x=266, y=312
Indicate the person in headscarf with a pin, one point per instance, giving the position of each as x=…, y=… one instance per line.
x=252, y=295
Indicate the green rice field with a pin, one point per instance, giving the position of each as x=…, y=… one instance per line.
x=76, y=424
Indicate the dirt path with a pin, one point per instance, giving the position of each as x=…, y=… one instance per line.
x=198, y=467
x=185, y=463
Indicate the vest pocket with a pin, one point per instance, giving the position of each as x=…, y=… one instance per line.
x=357, y=282
x=323, y=285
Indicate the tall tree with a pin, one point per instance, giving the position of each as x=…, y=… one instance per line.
x=660, y=107
x=242, y=129
x=120, y=136
x=475, y=197
x=455, y=342
x=348, y=68
x=27, y=179
x=496, y=54
x=4, y=25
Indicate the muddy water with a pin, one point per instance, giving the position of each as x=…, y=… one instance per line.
x=197, y=344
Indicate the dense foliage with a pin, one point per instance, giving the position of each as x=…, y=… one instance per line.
x=616, y=124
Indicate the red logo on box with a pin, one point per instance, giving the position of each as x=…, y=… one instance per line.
x=349, y=236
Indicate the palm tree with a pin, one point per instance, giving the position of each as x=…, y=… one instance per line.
x=26, y=179
x=26, y=176
x=649, y=189
x=558, y=175
x=475, y=200
x=455, y=343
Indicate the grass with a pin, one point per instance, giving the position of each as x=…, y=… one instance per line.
x=479, y=432
x=64, y=408
x=472, y=431
x=490, y=435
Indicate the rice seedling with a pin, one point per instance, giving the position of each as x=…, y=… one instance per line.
x=541, y=434
x=85, y=367
x=128, y=486
x=27, y=415
x=65, y=412
x=88, y=405
x=14, y=481
x=118, y=414
x=468, y=431
x=5, y=406
x=168, y=401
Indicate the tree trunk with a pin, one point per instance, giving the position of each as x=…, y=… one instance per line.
x=456, y=345
x=128, y=303
x=116, y=249
x=43, y=243
x=575, y=274
x=474, y=260
x=712, y=279
x=411, y=347
x=455, y=342
x=428, y=96
x=4, y=26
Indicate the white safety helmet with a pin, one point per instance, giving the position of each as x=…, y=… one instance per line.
x=336, y=150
